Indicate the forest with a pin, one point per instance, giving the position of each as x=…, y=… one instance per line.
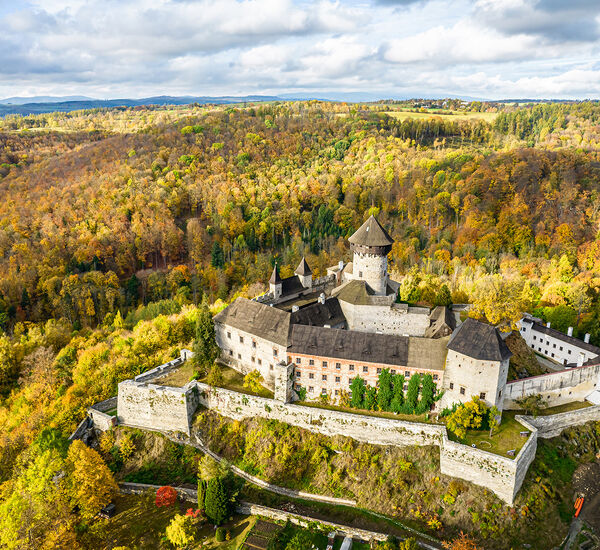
x=116, y=223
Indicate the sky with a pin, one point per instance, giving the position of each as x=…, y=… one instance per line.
x=488, y=49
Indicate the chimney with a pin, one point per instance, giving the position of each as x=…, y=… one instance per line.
x=295, y=308
x=322, y=298
x=586, y=338
x=548, y=324
x=341, y=265
x=570, y=331
x=580, y=360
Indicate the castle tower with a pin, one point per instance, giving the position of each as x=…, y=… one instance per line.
x=371, y=244
x=304, y=273
x=275, y=283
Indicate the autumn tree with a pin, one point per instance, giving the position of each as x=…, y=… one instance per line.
x=92, y=483
x=181, y=531
x=165, y=496
x=253, y=381
x=462, y=542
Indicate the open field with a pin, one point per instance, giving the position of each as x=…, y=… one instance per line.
x=449, y=115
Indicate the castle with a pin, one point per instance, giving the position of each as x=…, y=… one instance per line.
x=323, y=333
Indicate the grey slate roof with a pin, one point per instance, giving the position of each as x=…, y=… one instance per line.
x=275, y=278
x=479, y=340
x=442, y=322
x=266, y=322
x=553, y=333
x=359, y=293
x=291, y=285
x=303, y=268
x=363, y=347
x=316, y=314
x=371, y=233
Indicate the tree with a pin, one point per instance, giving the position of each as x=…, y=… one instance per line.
x=215, y=376
x=443, y=297
x=93, y=485
x=217, y=258
x=409, y=544
x=181, y=531
x=412, y=392
x=532, y=404
x=385, y=393
x=253, y=381
x=201, y=493
x=216, y=503
x=205, y=346
x=398, y=398
x=427, y=391
x=469, y=415
x=165, y=496
x=357, y=389
x=370, y=398
x=300, y=541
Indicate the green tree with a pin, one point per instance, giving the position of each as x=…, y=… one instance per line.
x=412, y=393
x=398, y=398
x=443, y=297
x=216, y=503
x=217, y=258
x=427, y=391
x=532, y=404
x=205, y=346
x=385, y=393
x=357, y=389
x=201, y=493
x=370, y=398
x=300, y=541
x=215, y=376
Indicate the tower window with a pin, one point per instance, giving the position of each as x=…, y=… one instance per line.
x=482, y=395
x=462, y=391
x=324, y=377
x=451, y=385
x=360, y=274
x=298, y=360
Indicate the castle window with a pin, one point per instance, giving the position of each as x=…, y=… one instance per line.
x=569, y=352
x=254, y=344
x=360, y=274
x=405, y=387
x=260, y=361
x=482, y=395
x=561, y=348
x=239, y=355
x=311, y=361
x=324, y=364
x=298, y=374
x=324, y=377
x=311, y=375
x=298, y=360
x=451, y=385
x=534, y=337
x=323, y=391
x=435, y=376
x=406, y=374
x=253, y=359
x=270, y=367
x=338, y=379
x=350, y=367
x=229, y=335
x=241, y=339
x=365, y=369
x=554, y=346
x=337, y=392
x=378, y=371
x=275, y=352
x=393, y=371
x=338, y=366
x=310, y=389
x=553, y=355
x=231, y=352
x=500, y=394
x=462, y=391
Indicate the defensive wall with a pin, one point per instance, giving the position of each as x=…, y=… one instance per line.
x=552, y=425
x=556, y=388
x=394, y=319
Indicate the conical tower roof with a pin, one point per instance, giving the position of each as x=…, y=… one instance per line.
x=303, y=269
x=275, y=278
x=371, y=233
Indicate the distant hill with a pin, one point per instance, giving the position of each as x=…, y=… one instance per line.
x=8, y=107
x=43, y=99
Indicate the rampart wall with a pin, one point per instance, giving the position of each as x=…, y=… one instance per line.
x=556, y=388
x=552, y=425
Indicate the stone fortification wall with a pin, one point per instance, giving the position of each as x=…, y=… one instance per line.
x=156, y=407
x=97, y=413
x=369, y=429
x=502, y=475
x=553, y=425
x=556, y=388
x=394, y=319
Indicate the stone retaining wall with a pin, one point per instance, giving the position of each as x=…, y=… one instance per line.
x=103, y=421
x=556, y=388
x=552, y=425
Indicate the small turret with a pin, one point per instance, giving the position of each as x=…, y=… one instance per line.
x=304, y=273
x=275, y=283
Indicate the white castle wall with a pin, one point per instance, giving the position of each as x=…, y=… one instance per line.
x=552, y=425
x=371, y=268
x=556, y=388
x=386, y=318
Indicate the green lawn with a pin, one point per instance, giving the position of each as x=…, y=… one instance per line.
x=507, y=437
x=233, y=380
x=177, y=377
x=363, y=412
x=567, y=407
x=140, y=524
x=449, y=115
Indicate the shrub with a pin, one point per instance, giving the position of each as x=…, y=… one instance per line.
x=180, y=532
x=165, y=496
x=220, y=534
